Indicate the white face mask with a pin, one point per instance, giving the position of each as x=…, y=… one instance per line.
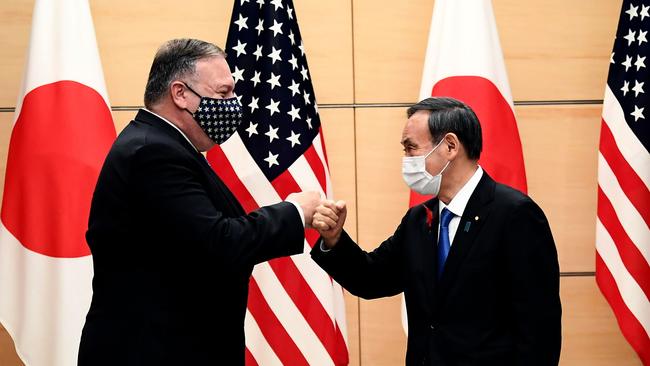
x=414, y=172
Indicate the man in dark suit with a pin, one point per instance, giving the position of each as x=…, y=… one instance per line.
x=172, y=248
x=477, y=264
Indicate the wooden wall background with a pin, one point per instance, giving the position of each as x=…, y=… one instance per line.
x=366, y=59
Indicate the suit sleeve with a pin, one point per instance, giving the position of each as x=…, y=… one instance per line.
x=367, y=275
x=173, y=194
x=534, y=276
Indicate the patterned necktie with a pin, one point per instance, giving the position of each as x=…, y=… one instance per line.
x=443, y=239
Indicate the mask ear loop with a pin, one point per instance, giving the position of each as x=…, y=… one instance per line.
x=195, y=93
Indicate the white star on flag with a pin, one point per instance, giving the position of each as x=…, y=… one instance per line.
x=272, y=159
x=294, y=113
x=638, y=113
x=272, y=134
x=252, y=129
x=241, y=22
x=294, y=139
x=274, y=80
x=275, y=55
x=273, y=107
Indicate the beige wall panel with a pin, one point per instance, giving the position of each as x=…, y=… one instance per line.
x=129, y=33
x=553, y=50
x=383, y=342
x=8, y=356
x=560, y=146
x=382, y=195
x=557, y=49
x=6, y=125
x=16, y=18
x=326, y=29
x=338, y=129
x=590, y=334
x=389, y=46
x=352, y=318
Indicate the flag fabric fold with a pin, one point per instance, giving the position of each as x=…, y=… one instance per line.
x=296, y=313
x=623, y=215
x=62, y=131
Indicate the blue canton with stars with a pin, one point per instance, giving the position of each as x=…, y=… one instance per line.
x=267, y=59
x=628, y=72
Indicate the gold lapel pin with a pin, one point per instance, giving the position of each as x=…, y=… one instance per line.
x=475, y=218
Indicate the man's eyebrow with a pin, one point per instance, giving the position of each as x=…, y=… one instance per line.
x=407, y=141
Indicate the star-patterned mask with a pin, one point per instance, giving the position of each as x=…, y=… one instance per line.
x=218, y=118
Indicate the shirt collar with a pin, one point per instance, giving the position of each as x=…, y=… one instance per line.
x=173, y=125
x=459, y=202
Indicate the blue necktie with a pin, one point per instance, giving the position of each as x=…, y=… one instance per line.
x=443, y=239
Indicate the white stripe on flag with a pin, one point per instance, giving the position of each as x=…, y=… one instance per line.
x=339, y=311
x=257, y=344
x=628, y=216
x=303, y=174
x=290, y=317
x=630, y=291
x=249, y=173
x=628, y=144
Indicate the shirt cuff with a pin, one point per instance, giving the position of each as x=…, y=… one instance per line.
x=323, y=248
x=302, y=214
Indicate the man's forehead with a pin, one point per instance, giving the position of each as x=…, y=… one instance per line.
x=416, y=128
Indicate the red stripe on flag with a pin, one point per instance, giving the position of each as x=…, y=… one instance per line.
x=222, y=167
x=629, y=252
x=628, y=179
x=342, y=356
x=274, y=333
x=284, y=184
x=316, y=166
x=249, y=359
x=629, y=324
x=306, y=301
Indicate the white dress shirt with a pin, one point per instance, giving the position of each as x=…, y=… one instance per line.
x=296, y=205
x=459, y=202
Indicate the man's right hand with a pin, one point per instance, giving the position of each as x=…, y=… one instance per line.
x=328, y=220
x=308, y=201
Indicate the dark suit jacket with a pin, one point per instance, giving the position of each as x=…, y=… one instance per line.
x=497, y=302
x=173, y=252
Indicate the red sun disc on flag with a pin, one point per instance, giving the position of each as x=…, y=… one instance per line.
x=58, y=143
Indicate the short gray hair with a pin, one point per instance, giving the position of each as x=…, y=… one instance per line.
x=175, y=59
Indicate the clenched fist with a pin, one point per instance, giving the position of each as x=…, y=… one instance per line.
x=328, y=220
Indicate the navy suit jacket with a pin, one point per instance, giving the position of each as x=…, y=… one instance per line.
x=173, y=252
x=497, y=302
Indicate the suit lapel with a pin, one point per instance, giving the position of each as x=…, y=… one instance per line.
x=429, y=233
x=475, y=214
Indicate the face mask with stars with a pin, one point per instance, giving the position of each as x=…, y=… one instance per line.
x=218, y=118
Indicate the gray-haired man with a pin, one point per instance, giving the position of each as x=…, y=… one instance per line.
x=172, y=248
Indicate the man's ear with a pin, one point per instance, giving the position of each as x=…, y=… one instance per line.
x=177, y=91
x=452, y=145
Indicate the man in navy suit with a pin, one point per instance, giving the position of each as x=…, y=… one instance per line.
x=477, y=264
x=172, y=248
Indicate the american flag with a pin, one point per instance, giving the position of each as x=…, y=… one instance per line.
x=296, y=313
x=622, y=228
